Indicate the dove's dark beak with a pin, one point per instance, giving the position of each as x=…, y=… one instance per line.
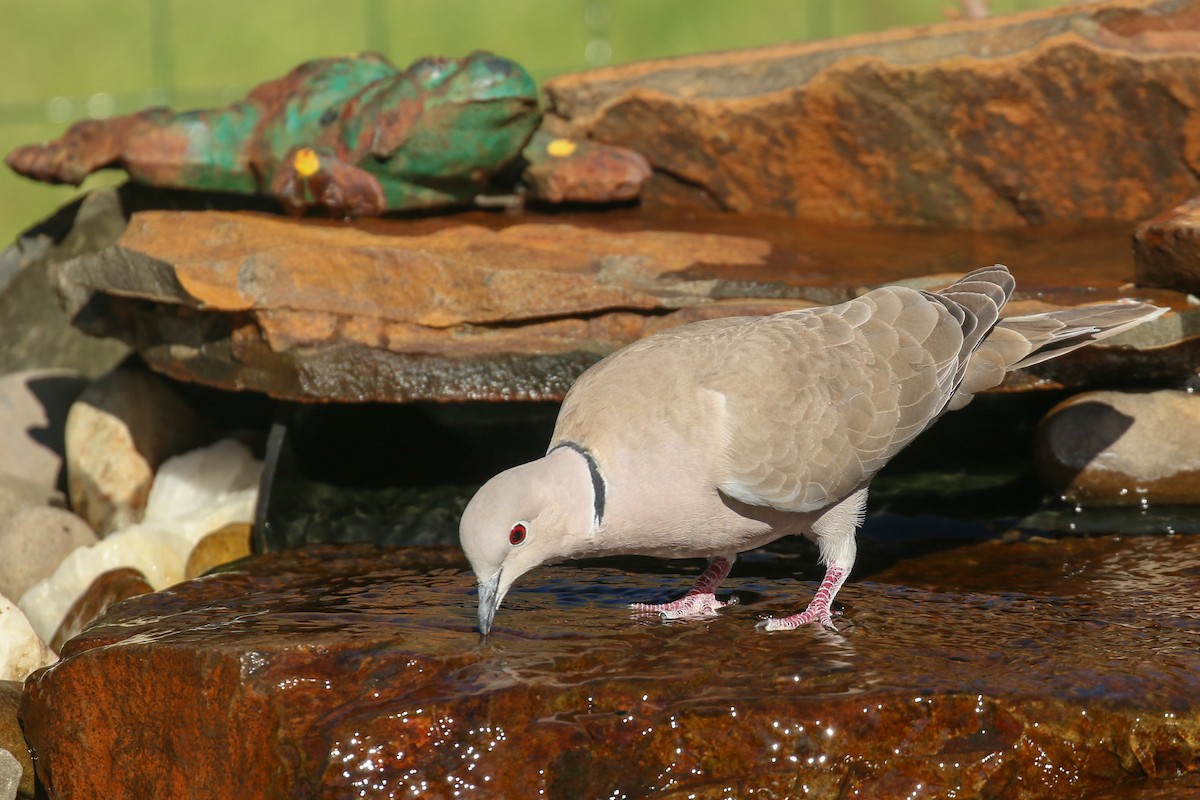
x=489, y=601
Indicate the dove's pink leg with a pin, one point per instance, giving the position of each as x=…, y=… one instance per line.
x=700, y=600
x=819, y=610
x=835, y=536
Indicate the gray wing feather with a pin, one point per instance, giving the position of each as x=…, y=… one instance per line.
x=838, y=392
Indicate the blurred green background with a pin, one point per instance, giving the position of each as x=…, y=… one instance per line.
x=64, y=60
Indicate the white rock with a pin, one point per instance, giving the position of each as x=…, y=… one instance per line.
x=21, y=650
x=199, y=492
x=193, y=495
x=47, y=602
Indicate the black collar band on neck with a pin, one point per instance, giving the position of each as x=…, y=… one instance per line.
x=597, y=478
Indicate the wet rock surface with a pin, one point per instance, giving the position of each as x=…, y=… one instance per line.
x=111, y=587
x=990, y=123
x=1122, y=448
x=497, y=307
x=1034, y=669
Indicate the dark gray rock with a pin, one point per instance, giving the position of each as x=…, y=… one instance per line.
x=35, y=328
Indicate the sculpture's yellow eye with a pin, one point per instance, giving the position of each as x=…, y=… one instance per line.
x=561, y=148
x=306, y=162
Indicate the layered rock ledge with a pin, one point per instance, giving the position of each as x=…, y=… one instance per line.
x=1034, y=669
x=513, y=307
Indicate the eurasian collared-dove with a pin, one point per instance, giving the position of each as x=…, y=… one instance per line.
x=720, y=436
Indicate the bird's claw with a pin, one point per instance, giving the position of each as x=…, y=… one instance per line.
x=688, y=606
x=824, y=619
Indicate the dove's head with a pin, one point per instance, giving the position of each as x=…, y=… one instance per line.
x=529, y=515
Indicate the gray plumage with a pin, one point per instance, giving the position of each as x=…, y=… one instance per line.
x=720, y=436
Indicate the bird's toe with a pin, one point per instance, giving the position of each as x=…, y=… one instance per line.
x=689, y=606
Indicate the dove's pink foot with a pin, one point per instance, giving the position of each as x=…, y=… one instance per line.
x=700, y=600
x=693, y=604
x=819, y=610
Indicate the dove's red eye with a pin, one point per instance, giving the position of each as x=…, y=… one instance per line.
x=517, y=534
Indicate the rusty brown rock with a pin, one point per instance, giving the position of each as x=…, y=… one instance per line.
x=226, y=544
x=514, y=307
x=456, y=275
x=111, y=587
x=441, y=314
x=1078, y=112
x=1028, y=670
x=1121, y=448
x=1166, y=252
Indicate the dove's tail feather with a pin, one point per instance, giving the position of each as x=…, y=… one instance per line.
x=1053, y=333
x=974, y=301
x=1017, y=342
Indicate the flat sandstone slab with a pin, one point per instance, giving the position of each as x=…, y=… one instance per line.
x=1023, y=670
x=514, y=307
x=1087, y=111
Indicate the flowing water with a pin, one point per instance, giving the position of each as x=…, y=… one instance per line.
x=1033, y=668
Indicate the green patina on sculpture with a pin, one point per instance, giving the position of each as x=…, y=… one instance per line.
x=352, y=134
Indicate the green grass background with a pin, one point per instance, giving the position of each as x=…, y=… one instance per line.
x=63, y=60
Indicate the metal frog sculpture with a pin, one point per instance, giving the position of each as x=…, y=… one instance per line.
x=353, y=135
